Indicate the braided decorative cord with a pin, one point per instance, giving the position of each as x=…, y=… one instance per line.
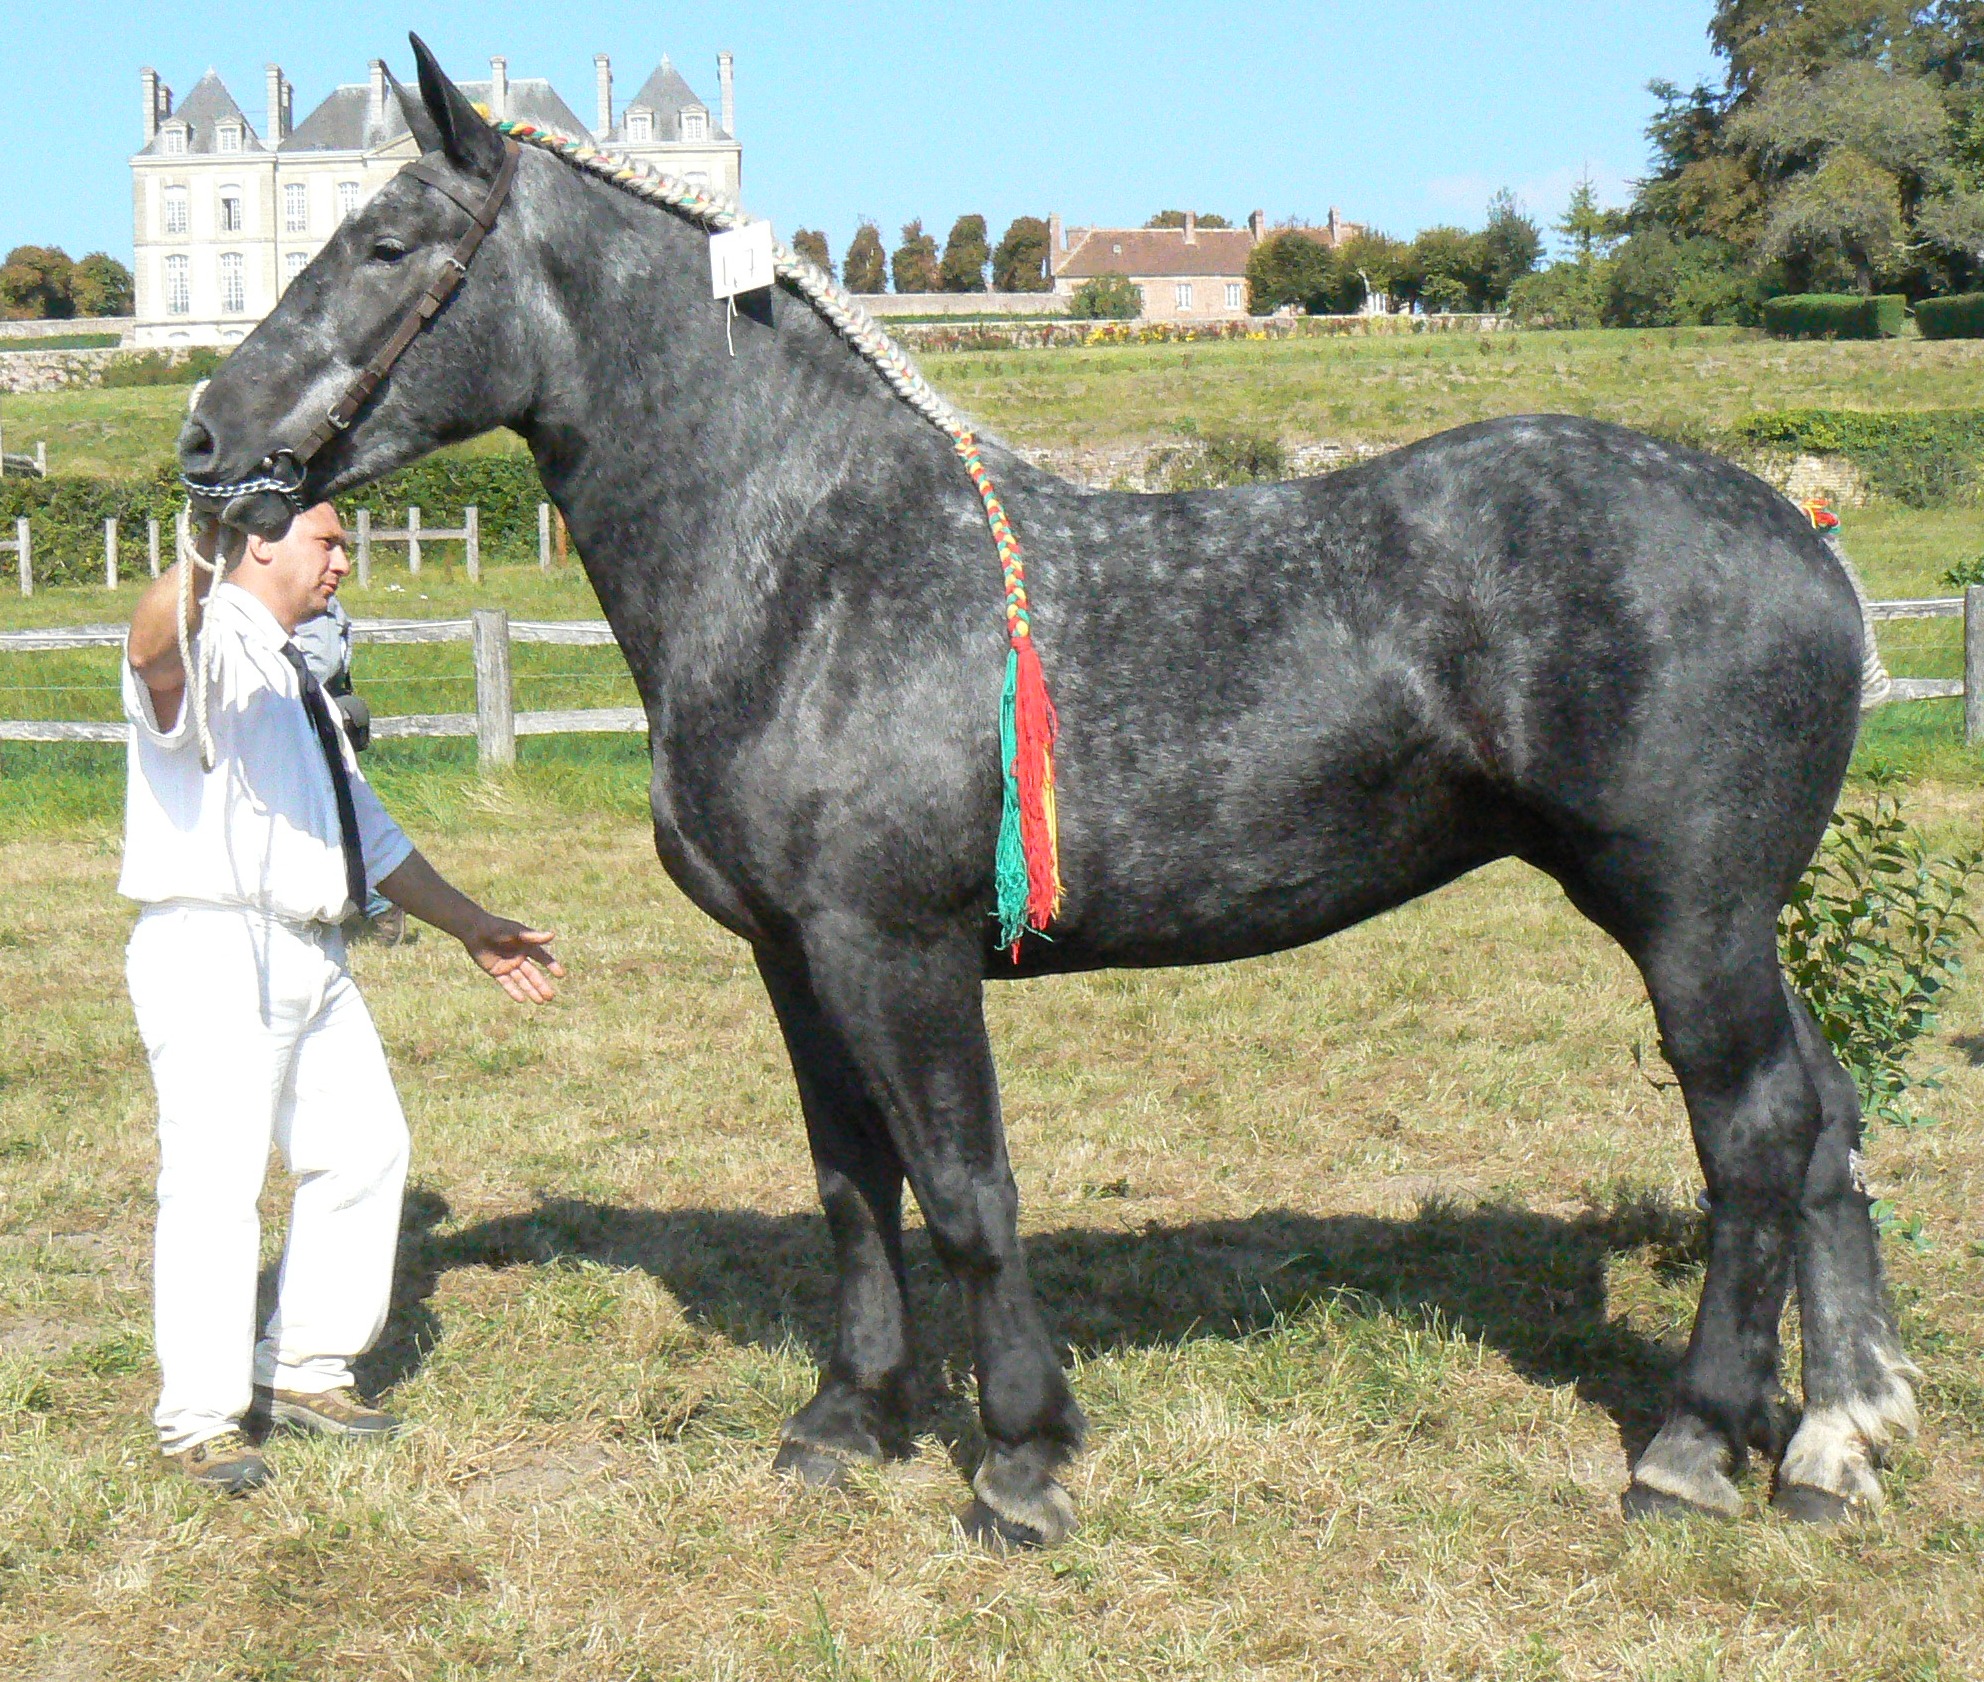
x=1028, y=870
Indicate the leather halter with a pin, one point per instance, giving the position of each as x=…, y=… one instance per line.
x=338, y=418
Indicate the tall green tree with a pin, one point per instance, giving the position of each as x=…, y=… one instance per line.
x=913, y=263
x=99, y=285
x=35, y=282
x=1768, y=40
x=1019, y=264
x=1288, y=268
x=1587, y=227
x=1510, y=244
x=966, y=253
x=864, y=269
x=811, y=244
x=1176, y=219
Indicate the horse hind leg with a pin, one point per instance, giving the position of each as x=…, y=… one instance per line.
x=1859, y=1389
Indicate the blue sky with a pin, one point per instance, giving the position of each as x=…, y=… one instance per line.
x=1401, y=112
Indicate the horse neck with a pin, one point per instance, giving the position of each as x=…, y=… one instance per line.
x=684, y=467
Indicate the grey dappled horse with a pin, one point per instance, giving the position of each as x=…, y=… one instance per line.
x=1285, y=708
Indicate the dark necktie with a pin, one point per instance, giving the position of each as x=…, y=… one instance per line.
x=326, y=727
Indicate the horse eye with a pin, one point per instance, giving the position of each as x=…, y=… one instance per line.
x=387, y=251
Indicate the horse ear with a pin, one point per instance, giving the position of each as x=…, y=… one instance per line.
x=425, y=135
x=470, y=143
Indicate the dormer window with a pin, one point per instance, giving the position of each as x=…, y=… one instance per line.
x=227, y=138
x=695, y=123
x=640, y=125
x=173, y=140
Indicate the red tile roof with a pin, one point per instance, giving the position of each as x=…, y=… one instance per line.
x=1154, y=251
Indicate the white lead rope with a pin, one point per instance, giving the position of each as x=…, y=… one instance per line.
x=192, y=658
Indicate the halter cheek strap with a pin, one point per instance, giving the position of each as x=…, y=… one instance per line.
x=283, y=470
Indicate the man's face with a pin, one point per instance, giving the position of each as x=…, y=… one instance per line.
x=304, y=567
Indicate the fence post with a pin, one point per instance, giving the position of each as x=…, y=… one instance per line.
x=26, y=552
x=151, y=544
x=1973, y=665
x=110, y=554
x=41, y=457
x=495, y=710
x=413, y=541
x=544, y=537
x=472, y=524
x=364, y=547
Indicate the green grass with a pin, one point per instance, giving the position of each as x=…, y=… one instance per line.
x=63, y=341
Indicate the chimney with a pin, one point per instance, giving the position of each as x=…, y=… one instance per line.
x=1191, y=227
x=148, y=82
x=288, y=109
x=1057, y=240
x=1257, y=225
x=278, y=128
x=499, y=86
x=727, y=85
x=375, y=109
x=602, y=75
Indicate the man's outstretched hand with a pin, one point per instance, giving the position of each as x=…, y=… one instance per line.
x=518, y=957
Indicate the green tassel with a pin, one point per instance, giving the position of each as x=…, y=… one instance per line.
x=1010, y=872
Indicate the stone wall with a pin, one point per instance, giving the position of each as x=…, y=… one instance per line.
x=886, y=304
x=121, y=325
x=64, y=370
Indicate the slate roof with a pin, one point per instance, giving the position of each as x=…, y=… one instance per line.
x=343, y=122
x=666, y=94
x=1154, y=251
x=204, y=110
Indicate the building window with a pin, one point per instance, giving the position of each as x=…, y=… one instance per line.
x=1184, y=294
x=173, y=206
x=640, y=125
x=295, y=208
x=173, y=139
x=293, y=264
x=347, y=198
x=695, y=124
x=1235, y=298
x=230, y=210
x=227, y=137
x=233, y=283
x=178, y=295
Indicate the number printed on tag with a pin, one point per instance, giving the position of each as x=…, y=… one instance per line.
x=741, y=260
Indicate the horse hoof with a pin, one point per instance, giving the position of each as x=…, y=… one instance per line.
x=813, y=1467
x=985, y=1527
x=1801, y=1503
x=1642, y=1502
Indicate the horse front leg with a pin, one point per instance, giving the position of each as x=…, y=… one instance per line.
x=908, y=1009
x=861, y=1412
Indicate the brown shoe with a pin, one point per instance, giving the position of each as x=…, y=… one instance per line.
x=330, y=1413
x=225, y=1463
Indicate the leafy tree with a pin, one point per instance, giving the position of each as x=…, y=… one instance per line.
x=99, y=285
x=1509, y=247
x=862, y=269
x=1109, y=297
x=1368, y=263
x=1768, y=40
x=965, y=255
x=1563, y=295
x=811, y=244
x=1020, y=262
x=1176, y=219
x=35, y=282
x=1590, y=230
x=1442, y=270
x=1287, y=268
x=1658, y=280
x=913, y=263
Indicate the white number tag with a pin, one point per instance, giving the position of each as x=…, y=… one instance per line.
x=741, y=260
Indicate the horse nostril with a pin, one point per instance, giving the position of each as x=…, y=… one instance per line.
x=196, y=446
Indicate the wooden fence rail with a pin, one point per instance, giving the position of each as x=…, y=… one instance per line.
x=496, y=724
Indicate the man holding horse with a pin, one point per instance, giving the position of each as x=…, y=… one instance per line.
x=251, y=836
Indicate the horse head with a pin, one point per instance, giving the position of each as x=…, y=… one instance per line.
x=292, y=417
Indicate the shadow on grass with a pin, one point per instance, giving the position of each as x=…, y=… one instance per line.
x=1531, y=1285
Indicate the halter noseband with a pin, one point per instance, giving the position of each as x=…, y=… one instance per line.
x=283, y=470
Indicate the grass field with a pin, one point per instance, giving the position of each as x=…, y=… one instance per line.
x=1371, y=1261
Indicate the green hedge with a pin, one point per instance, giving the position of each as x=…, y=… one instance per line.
x=1961, y=317
x=68, y=511
x=1835, y=315
x=1921, y=457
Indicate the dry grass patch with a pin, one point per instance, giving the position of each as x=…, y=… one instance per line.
x=1371, y=1259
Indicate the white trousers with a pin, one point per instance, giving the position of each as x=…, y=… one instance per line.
x=256, y=1034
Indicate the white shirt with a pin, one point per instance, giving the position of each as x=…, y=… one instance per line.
x=261, y=828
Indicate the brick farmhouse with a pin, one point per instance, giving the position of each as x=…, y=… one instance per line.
x=1185, y=274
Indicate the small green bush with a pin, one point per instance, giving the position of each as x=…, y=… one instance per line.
x=1961, y=317
x=1871, y=941
x=156, y=367
x=1965, y=573
x=1835, y=315
x=1109, y=297
x=1220, y=458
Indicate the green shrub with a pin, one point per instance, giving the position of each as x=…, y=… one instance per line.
x=1965, y=573
x=1960, y=317
x=1109, y=297
x=1835, y=315
x=156, y=367
x=1220, y=458
x=1921, y=458
x=1871, y=942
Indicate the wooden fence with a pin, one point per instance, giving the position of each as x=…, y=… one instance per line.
x=550, y=538
x=496, y=724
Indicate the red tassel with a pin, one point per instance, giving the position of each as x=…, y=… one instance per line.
x=1035, y=729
